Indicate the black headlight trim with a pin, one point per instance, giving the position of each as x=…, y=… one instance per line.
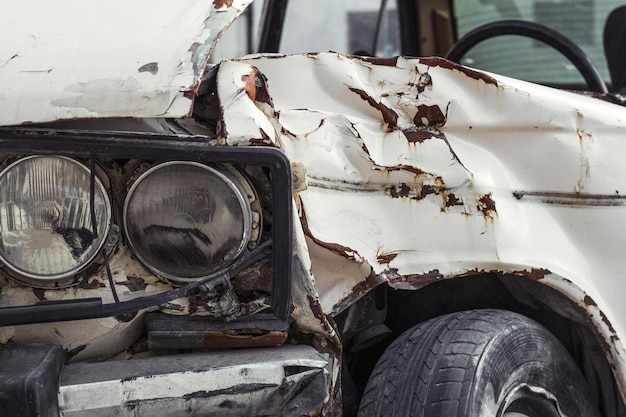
x=158, y=147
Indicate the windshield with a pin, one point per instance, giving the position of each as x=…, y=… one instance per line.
x=347, y=27
x=582, y=21
x=358, y=27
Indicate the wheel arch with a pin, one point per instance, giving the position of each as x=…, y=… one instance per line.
x=554, y=301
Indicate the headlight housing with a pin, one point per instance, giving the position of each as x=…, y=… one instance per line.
x=46, y=209
x=117, y=159
x=186, y=220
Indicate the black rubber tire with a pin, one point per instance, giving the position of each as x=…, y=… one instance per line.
x=536, y=31
x=476, y=364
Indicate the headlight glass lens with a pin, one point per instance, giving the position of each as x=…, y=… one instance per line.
x=186, y=220
x=46, y=233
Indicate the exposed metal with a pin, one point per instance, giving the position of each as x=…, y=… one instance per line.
x=269, y=381
x=166, y=332
x=420, y=170
x=405, y=172
x=156, y=147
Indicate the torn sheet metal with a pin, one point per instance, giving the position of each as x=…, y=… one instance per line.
x=420, y=170
x=138, y=59
x=286, y=381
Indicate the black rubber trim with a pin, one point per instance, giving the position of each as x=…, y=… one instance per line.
x=30, y=379
x=273, y=20
x=156, y=147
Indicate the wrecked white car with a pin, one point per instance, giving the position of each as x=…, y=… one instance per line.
x=303, y=234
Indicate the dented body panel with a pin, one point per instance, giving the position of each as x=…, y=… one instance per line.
x=405, y=172
x=420, y=170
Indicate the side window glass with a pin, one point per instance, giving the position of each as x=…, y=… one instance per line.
x=582, y=21
x=388, y=30
x=362, y=27
x=347, y=26
x=242, y=36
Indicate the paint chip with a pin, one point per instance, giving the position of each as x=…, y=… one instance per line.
x=151, y=67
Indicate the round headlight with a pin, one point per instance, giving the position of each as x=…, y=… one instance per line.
x=46, y=234
x=186, y=220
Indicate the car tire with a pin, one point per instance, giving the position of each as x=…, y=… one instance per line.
x=477, y=363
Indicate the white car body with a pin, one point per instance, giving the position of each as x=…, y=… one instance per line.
x=417, y=170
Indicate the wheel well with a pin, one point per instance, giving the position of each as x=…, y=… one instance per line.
x=398, y=310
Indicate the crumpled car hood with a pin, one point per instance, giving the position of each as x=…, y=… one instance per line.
x=136, y=59
x=420, y=170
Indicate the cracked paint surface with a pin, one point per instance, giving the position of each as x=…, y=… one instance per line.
x=144, y=62
x=417, y=170
x=420, y=170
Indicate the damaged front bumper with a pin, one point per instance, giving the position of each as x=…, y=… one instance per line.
x=286, y=381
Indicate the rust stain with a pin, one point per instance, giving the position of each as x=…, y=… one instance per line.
x=239, y=339
x=417, y=281
x=452, y=200
x=608, y=324
x=386, y=258
x=536, y=274
x=359, y=290
x=262, y=93
x=444, y=63
x=402, y=191
x=134, y=283
x=429, y=116
x=250, y=86
x=389, y=116
x=256, y=87
x=487, y=206
x=316, y=308
x=388, y=62
x=190, y=93
x=589, y=301
x=420, y=136
x=406, y=191
x=414, y=170
x=425, y=81
x=220, y=4
x=318, y=313
x=418, y=190
x=428, y=190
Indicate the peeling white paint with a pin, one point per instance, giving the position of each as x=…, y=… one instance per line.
x=501, y=175
x=60, y=62
x=414, y=167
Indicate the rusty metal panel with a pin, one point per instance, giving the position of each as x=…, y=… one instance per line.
x=138, y=59
x=420, y=170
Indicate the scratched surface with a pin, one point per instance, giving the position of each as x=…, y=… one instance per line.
x=417, y=169
x=420, y=170
x=140, y=59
